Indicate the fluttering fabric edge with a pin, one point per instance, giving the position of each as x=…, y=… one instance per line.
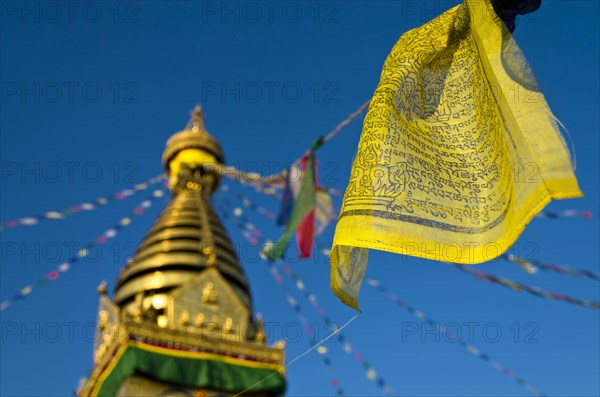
x=506, y=67
x=346, y=275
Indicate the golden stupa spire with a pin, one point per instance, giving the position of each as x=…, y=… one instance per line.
x=193, y=148
x=182, y=309
x=188, y=236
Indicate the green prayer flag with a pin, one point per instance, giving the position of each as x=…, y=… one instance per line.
x=305, y=202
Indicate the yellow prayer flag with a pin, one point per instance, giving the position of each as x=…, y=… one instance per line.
x=459, y=150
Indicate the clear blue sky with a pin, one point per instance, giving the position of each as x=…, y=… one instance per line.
x=98, y=87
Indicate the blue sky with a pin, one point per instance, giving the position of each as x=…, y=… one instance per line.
x=92, y=90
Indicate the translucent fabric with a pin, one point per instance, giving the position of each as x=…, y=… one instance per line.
x=458, y=152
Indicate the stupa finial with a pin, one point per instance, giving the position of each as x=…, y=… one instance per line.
x=196, y=120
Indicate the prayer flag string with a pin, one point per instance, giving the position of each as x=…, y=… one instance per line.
x=247, y=202
x=251, y=234
x=255, y=237
x=532, y=265
x=322, y=350
x=480, y=275
x=461, y=342
x=567, y=214
x=87, y=206
x=348, y=348
x=265, y=189
x=102, y=239
x=277, y=180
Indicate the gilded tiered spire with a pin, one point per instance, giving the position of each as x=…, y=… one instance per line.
x=188, y=236
x=182, y=307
